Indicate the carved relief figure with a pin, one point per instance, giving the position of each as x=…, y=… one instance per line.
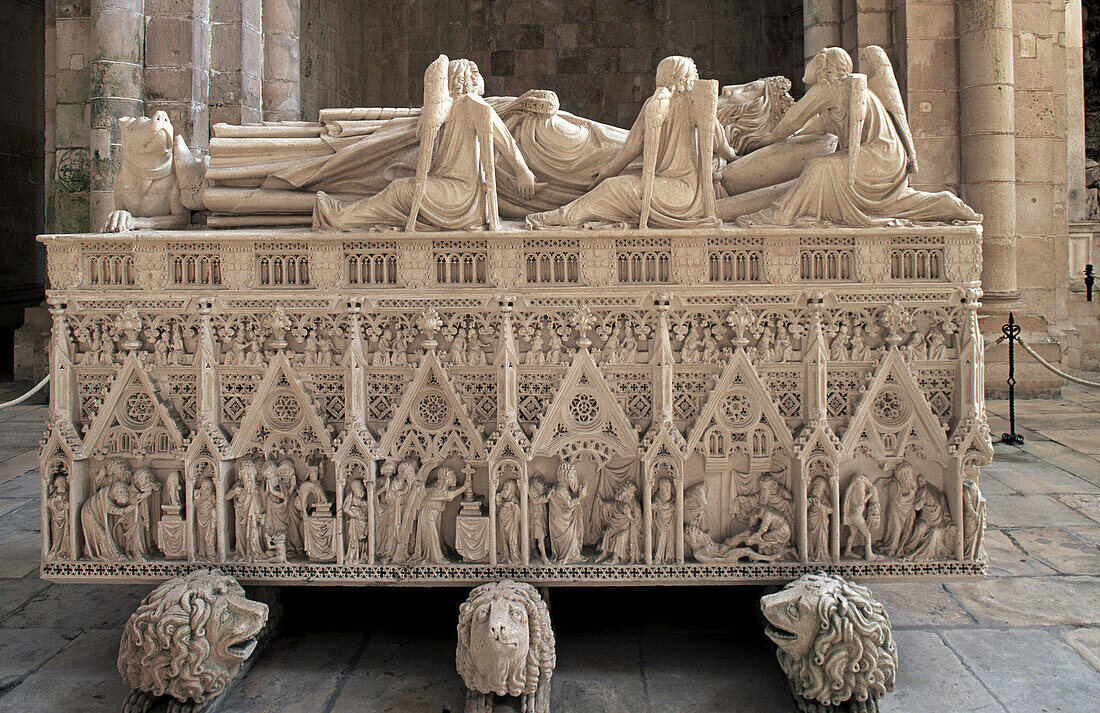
x=98, y=517
x=135, y=531
x=866, y=182
x=679, y=185
x=57, y=508
x=838, y=348
x=934, y=533
x=276, y=508
x=289, y=482
x=538, y=495
x=901, y=510
x=974, y=518
x=566, y=516
x=248, y=510
x=158, y=180
x=860, y=352
x=508, y=523
x=206, y=535
x=664, y=522
x=937, y=345
x=429, y=537
x=454, y=195
x=388, y=510
x=355, y=519
x=412, y=483
x=861, y=513
x=819, y=514
x=621, y=539
x=768, y=534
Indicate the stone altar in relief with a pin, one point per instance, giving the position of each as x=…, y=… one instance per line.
x=835, y=644
x=505, y=647
x=187, y=640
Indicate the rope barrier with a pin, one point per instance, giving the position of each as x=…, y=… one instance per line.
x=994, y=343
x=1056, y=370
x=24, y=397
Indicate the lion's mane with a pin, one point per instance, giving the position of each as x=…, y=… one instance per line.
x=165, y=649
x=541, y=656
x=853, y=654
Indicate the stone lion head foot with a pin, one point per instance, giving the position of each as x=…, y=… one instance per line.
x=834, y=644
x=187, y=641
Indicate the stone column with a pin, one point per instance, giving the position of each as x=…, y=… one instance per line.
x=117, y=86
x=987, y=144
x=282, y=68
x=236, y=61
x=820, y=26
x=177, y=65
x=1075, y=112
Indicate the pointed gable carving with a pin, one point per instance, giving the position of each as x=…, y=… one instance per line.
x=134, y=419
x=585, y=415
x=893, y=416
x=282, y=418
x=356, y=443
x=817, y=440
x=431, y=421
x=739, y=405
x=208, y=438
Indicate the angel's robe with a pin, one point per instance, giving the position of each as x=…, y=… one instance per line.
x=678, y=189
x=455, y=194
x=880, y=193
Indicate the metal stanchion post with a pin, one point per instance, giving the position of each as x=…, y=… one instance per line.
x=1089, y=280
x=1011, y=332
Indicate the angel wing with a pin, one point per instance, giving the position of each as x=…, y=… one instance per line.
x=857, y=110
x=882, y=82
x=437, y=105
x=656, y=114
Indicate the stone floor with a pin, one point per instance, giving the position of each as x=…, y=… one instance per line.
x=1026, y=639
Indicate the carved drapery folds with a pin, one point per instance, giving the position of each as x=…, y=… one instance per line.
x=711, y=431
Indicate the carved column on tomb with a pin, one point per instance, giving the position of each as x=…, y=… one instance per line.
x=282, y=98
x=820, y=26
x=117, y=88
x=63, y=402
x=815, y=414
x=987, y=126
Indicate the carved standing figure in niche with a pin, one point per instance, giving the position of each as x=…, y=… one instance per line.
x=172, y=495
x=819, y=514
x=667, y=134
x=413, y=483
x=289, y=481
x=206, y=535
x=901, y=510
x=508, y=517
x=621, y=539
x=664, y=522
x=566, y=517
x=453, y=195
x=111, y=503
x=311, y=498
x=538, y=495
x=866, y=182
x=429, y=536
x=57, y=507
x=355, y=516
x=390, y=497
x=248, y=510
x=973, y=521
x=861, y=513
x=276, y=507
x=934, y=533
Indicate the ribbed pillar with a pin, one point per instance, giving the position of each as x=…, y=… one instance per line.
x=282, y=100
x=987, y=136
x=820, y=26
x=117, y=85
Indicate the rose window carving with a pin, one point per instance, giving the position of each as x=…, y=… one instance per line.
x=738, y=409
x=889, y=409
x=138, y=410
x=584, y=409
x=285, y=410
x=433, y=410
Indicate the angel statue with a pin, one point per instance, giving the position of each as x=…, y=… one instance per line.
x=455, y=183
x=866, y=182
x=676, y=134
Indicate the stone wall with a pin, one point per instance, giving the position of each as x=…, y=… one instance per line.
x=333, y=58
x=22, y=148
x=598, y=55
x=1091, y=11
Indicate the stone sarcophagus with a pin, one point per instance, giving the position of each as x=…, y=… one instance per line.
x=703, y=405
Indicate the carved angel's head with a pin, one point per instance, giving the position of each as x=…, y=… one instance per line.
x=830, y=64
x=463, y=77
x=677, y=73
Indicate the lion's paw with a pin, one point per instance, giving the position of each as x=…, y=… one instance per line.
x=119, y=221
